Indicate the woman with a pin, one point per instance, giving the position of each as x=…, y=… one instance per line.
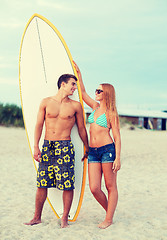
x=104, y=153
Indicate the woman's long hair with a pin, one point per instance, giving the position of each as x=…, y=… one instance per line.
x=110, y=101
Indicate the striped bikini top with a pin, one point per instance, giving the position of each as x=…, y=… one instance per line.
x=101, y=120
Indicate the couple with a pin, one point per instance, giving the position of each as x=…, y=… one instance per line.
x=60, y=114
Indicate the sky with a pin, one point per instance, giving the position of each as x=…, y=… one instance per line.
x=121, y=42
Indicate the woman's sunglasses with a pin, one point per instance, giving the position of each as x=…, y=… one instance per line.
x=98, y=91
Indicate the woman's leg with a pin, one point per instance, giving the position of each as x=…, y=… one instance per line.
x=95, y=176
x=111, y=185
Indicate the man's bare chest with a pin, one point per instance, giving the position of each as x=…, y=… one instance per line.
x=63, y=111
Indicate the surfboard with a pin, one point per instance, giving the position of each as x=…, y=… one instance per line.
x=44, y=57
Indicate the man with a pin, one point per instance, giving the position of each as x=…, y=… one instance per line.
x=56, y=162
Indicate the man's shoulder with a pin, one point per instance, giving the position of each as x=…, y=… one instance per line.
x=75, y=103
x=77, y=106
x=44, y=101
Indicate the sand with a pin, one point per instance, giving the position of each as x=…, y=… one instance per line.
x=142, y=207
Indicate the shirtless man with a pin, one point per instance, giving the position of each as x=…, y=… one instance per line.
x=56, y=162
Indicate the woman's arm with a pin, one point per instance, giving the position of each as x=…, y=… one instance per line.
x=117, y=139
x=87, y=99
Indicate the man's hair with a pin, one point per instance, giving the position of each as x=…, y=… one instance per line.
x=65, y=78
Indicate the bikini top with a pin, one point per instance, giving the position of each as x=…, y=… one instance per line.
x=101, y=120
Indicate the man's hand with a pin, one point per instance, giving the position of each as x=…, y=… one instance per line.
x=85, y=156
x=37, y=154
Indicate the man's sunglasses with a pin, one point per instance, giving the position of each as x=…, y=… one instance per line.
x=98, y=91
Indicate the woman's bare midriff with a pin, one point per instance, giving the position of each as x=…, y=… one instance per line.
x=99, y=136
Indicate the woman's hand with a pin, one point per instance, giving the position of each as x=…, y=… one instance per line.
x=116, y=165
x=76, y=67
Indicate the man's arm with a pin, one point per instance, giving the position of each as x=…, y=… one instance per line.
x=38, y=130
x=81, y=128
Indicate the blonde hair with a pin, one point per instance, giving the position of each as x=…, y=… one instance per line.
x=110, y=102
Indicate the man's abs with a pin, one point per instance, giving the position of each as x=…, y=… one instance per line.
x=58, y=129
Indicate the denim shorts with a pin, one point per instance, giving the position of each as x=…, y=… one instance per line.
x=104, y=154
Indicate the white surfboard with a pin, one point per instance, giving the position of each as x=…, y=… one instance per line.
x=44, y=57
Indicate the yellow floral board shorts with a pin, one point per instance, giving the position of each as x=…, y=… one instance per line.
x=56, y=168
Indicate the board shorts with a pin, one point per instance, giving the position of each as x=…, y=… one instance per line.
x=104, y=154
x=56, y=168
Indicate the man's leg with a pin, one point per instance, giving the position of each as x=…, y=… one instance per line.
x=67, y=201
x=41, y=196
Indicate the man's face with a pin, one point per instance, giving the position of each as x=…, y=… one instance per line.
x=71, y=86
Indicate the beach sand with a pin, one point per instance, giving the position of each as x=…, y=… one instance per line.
x=141, y=212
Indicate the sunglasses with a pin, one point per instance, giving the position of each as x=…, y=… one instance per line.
x=98, y=91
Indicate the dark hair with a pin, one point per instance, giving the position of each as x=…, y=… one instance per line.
x=65, y=78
